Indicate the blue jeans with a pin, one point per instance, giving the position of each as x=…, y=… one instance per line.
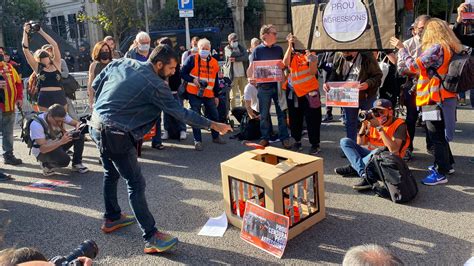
x=357, y=155
x=351, y=117
x=211, y=113
x=126, y=166
x=265, y=96
x=156, y=140
x=7, y=122
x=169, y=120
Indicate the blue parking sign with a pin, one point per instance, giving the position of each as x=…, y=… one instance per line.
x=185, y=4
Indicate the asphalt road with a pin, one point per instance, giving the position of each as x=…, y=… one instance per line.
x=184, y=190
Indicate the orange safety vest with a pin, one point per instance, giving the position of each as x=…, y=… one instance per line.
x=300, y=78
x=375, y=140
x=11, y=91
x=429, y=90
x=204, y=70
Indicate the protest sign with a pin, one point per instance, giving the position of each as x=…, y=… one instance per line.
x=265, y=229
x=469, y=15
x=344, y=25
x=267, y=71
x=343, y=94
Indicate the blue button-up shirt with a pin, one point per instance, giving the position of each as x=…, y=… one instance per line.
x=129, y=95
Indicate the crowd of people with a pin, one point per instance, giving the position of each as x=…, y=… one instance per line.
x=129, y=96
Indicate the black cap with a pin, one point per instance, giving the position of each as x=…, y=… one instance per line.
x=382, y=104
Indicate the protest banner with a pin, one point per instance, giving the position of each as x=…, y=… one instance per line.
x=343, y=94
x=265, y=229
x=344, y=25
x=267, y=71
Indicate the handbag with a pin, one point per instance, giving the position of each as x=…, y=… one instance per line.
x=431, y=113
x=70, y=86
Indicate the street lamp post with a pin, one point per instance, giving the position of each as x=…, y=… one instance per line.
x=2, y=4
x=238, y=8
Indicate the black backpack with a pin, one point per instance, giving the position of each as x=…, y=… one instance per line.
x=249, y=128
x=460, y=76
x=393, y=172
x=25, y=129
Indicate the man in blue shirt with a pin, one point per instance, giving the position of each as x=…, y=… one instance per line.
x=268, y=50
x=129, y=95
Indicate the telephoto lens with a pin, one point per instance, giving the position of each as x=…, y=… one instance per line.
x=87, y=248
x=366, y=115
x=34, y=26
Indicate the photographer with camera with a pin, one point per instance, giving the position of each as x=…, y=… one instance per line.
x=201, y=73
x=51, y=140
x=379, y=129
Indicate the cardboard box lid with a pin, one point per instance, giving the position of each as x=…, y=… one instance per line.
x=247, y=162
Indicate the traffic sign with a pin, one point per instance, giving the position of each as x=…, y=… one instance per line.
x=185, y=4
x=186, y=13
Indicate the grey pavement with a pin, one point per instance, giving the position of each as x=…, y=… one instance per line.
x=184, y=190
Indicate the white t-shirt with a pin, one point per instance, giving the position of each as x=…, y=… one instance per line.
x=37, y=132
x=250, y=94
x=239, y=70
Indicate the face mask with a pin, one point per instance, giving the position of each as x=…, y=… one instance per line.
x=235, y=44
x=67, y=53
x=15, y=51
x=194, y=49
x=143, y=47
x=104, y=55
x=2, y=58
x=349, y=57
x=204, y=54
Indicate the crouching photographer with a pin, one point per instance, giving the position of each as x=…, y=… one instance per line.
x=51, y=141
x=379, y=129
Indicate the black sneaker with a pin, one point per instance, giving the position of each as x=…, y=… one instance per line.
x=346, y=171
x=297, y=146
x=157, y=146
x=362, y=185
x=327, y=118
x=5, y=177
x=11, y=159
x=314, y=150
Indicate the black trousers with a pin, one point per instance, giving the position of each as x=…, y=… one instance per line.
x=58, y=158
x=312, y=117
x=442, y=152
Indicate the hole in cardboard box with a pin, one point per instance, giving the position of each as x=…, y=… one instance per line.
x=301, y=199
x=270, y=158
x=240, y=192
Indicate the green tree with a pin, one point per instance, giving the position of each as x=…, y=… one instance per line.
x=438, y=8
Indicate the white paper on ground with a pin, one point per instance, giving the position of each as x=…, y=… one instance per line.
x=215, y=226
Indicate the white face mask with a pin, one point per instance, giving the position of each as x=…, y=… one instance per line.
x=143, y=47
x=235, y=45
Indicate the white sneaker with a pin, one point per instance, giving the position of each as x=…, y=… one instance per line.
x=183, y=135
x=165, y=135
x=47, y=171
x=80, y=168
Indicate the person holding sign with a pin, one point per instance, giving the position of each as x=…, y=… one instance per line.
x=361, y=67
x=303, y=96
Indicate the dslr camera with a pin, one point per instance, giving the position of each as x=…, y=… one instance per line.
x=366, y=115
x=202, y=87
x=34, y=26
x=76, y=133
x=87, y=248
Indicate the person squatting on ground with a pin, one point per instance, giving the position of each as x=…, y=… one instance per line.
x=129, y=96
x=51, y=141
x=438, y=45
x=47, y=69
x=200, y=71
x=361, y=67
x=268, y=91
x=235, y=58
x=303, y=96
x=382, y=130
x=11, y=95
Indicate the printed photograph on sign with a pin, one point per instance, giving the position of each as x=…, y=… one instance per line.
x=343, y=94
x=265, y=229
x=469, y=14
x=267, y=71
x=345, y=20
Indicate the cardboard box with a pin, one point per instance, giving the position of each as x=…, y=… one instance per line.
x=275, y=179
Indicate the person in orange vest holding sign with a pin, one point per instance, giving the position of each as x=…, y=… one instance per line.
x=379, y=129
x=303, y=96
x=11, y=95
x=200, y=72
x=438, y=106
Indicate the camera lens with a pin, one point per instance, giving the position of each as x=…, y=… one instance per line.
x=87, y=248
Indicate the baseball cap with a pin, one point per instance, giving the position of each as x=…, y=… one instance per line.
x=382, y=104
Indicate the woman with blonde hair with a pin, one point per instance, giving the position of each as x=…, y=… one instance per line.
x=101, y=56
x=439, y=43
x=47, y=70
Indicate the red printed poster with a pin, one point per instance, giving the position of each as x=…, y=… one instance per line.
x=46, y=184
x=470, y=12
x=265, y=229
x=343, y=94
x=267, y=71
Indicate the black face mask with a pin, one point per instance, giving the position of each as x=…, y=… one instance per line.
x=349, y=57
x=2, y=58
x=104, y=55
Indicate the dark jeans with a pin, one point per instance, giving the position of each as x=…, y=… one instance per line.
x=265, y=96
x=238, y=112
x=211, y=113
x=58, y=158
x=222, y=109
x=312, y=116
x=170, y=121
x=156, y=140
x=124, y=165
x=351, y=117
x=412, y=115
x=442, y=152
x=7, y=122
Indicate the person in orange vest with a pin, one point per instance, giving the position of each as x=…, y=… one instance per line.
x=200, y=72
x=438, y=45
x=11, y=95
x=303, y=96
x=381, y=130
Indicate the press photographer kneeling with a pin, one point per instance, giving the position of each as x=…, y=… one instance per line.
x=379, y=129
x=51, y=140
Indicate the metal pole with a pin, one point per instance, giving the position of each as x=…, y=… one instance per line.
x=188, y=37
x=147, y=26
x=428, y=7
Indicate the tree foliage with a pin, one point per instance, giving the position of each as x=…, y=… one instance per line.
x=438, y=8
